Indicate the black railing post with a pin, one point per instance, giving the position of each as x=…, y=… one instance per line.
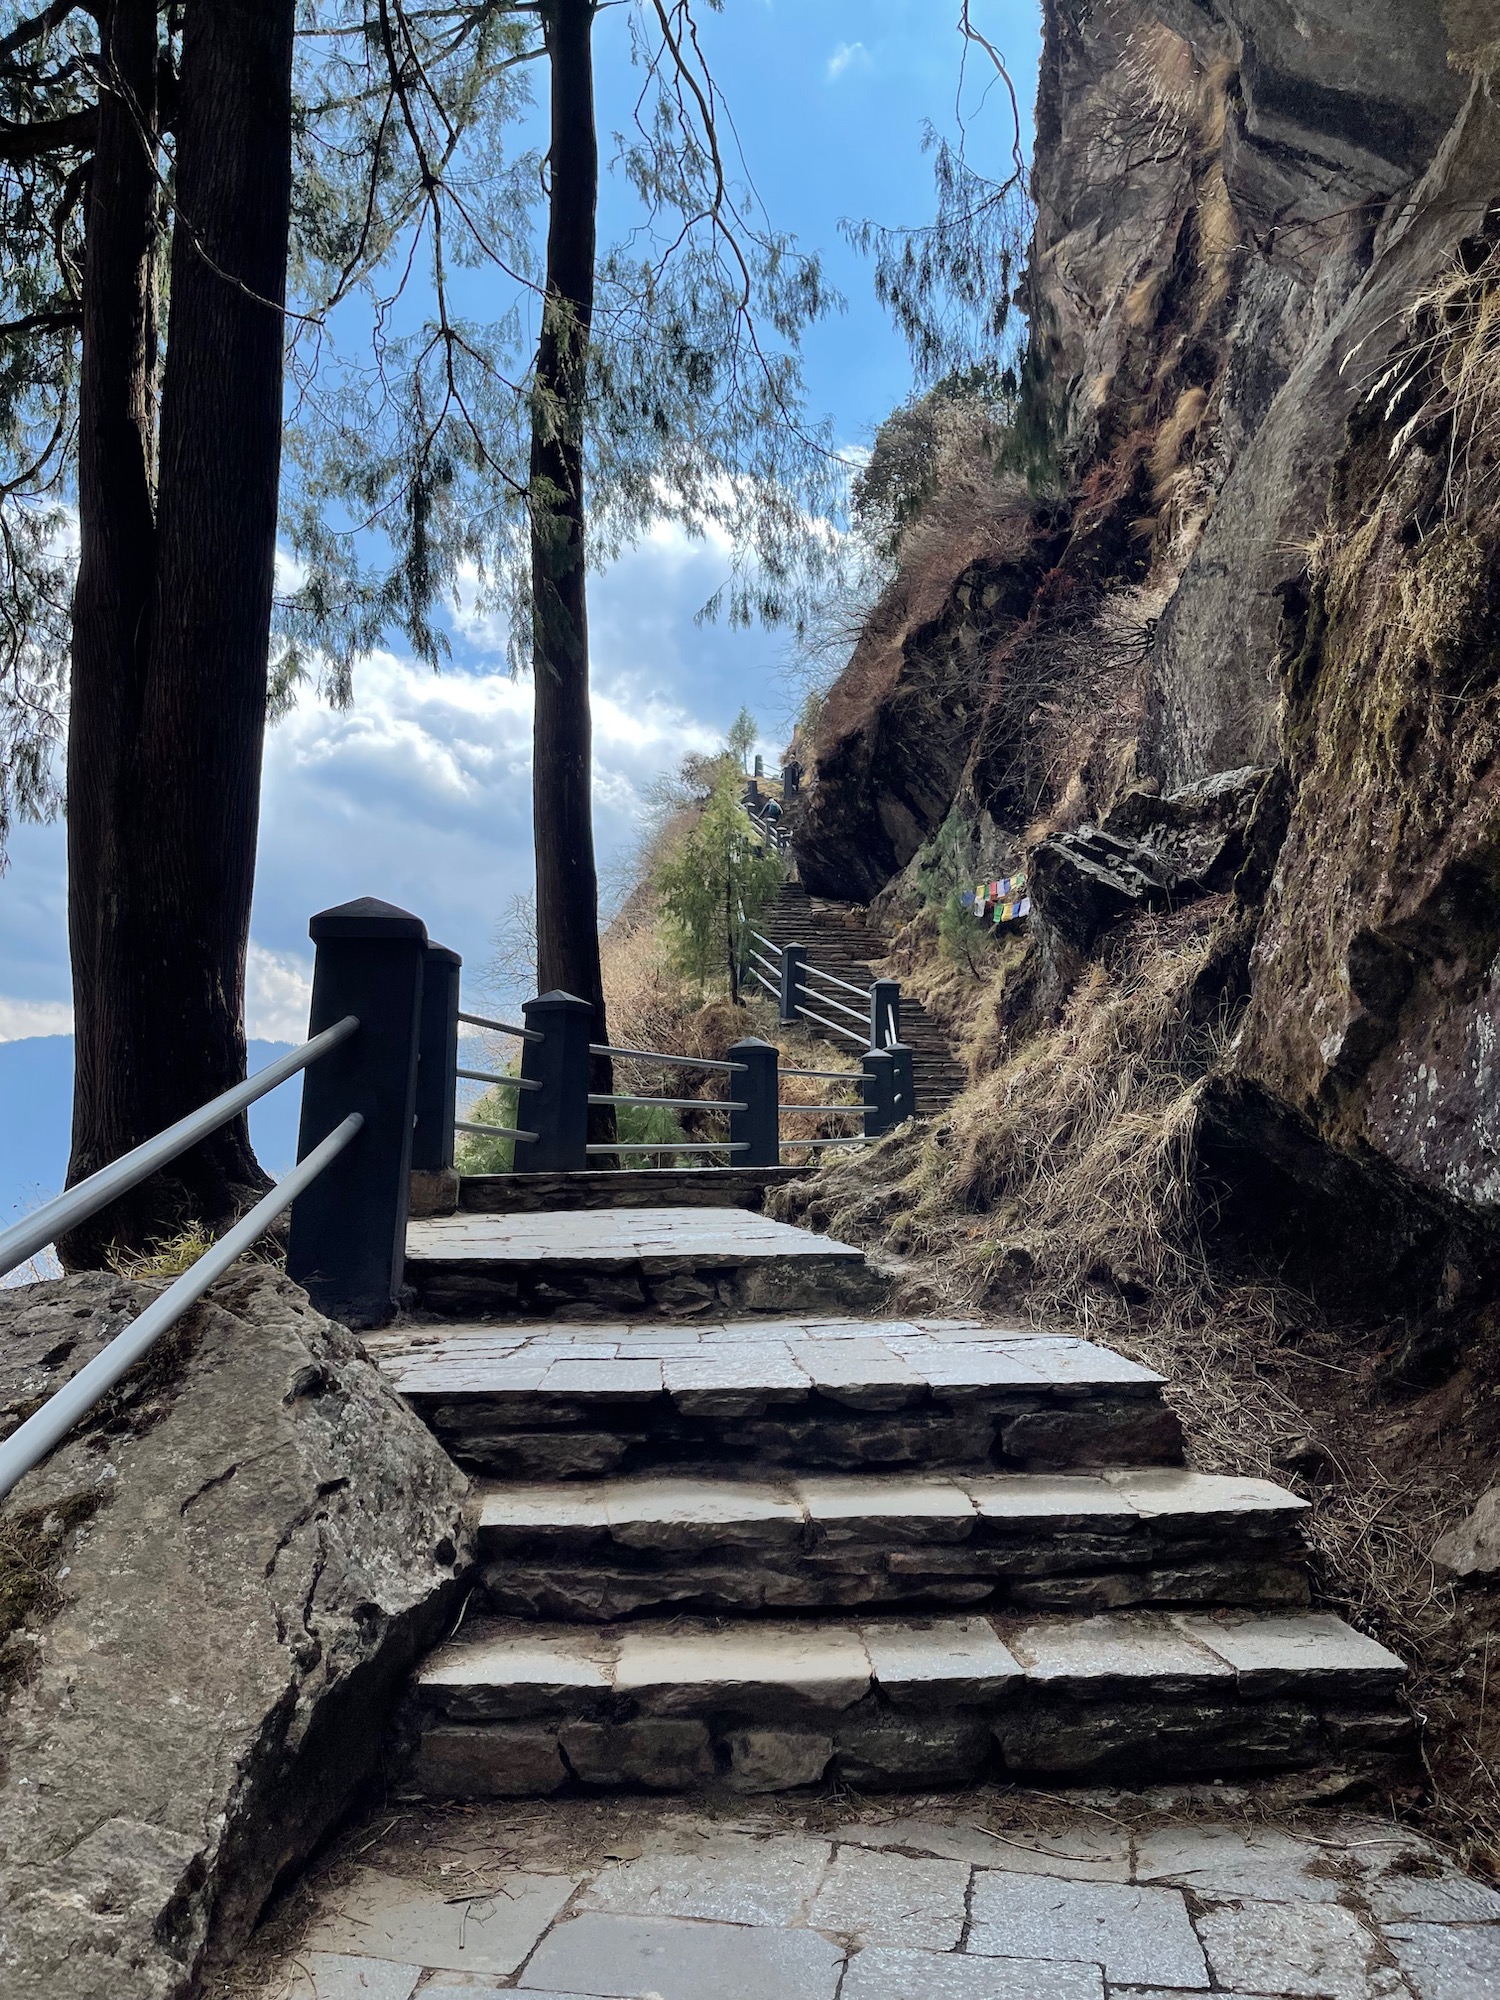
x=437, y=1063
x=758, y=1088
x=878, y=1094
x=793, y=969
x=348, y=1237
x=885, y=1013
x=559, y=1112
x=903, y=1083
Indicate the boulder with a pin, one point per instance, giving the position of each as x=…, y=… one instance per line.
x=210, y=1596
x=1473, y=1547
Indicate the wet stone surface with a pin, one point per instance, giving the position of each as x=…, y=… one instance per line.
x=988, y=1896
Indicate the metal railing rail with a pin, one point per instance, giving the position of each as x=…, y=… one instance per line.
x=827, y=1110
x=849, y=1076
x=833, y=1026
x=771, y=987
x=501, y=1027
x=507, y=1082
x=673, y=1062
x=495, y=1131
x=791, y=1145
x=759, y=939
x=77, y=1204
x=832, y=979
x=838, y=1006
x=27, y=1446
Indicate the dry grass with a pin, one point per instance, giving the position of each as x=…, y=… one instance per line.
x=1450, y=374
x=167, y=1258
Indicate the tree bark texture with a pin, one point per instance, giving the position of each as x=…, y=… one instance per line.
x=567, y=880
x=168, y=757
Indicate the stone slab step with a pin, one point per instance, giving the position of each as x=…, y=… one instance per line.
x=556, y=1401
x=511, y=1709
x=675, y=1261
x=608, y=1550
x=677, y=1187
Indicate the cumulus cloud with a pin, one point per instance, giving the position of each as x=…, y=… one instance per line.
x=20, y=1018
x=278, y=991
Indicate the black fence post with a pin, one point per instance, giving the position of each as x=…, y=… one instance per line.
x=348, y=1235
x=558, y=1060
x=878, y=1094
x=437, y=1063
x=903, y=1082
x=793, y=969
x=758, y=1088
x=885, y=1013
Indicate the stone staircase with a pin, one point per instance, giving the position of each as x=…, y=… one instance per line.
x=838, y=941
x=732, y=1533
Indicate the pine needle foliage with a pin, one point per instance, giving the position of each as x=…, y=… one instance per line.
x=716, y=880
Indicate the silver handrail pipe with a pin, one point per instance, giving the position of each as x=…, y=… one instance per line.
x=27, y=1446
x=55, y=1218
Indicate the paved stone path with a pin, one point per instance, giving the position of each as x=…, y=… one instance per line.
x=988, y=1896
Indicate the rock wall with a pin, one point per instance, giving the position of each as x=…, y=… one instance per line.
x=1250, y=562
x=209, y=1599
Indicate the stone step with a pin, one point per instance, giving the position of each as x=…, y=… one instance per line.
x=514, y=1709
x=674, y=1261
x=558, y=1401
x=606, y=1550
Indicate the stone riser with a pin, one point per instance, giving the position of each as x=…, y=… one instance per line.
x=706, y=1187
x=874, y=1747
x=744, y=1582
x=643, y=1288
x=521, y=1437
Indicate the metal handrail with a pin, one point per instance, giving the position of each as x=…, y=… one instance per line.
x=487, y=1076
x=773, y=990
x=824, y=1001
x=666, y=1146
x=760, y=939
x=834, y=1026
x=828, y=1110
x=27, y=1446
x=672, y=1062
x=760, y=957
x=832, y=978
x=676, y=1103
x=55, y=1218
x=503, y=1028
x=849, y=1076
x=496, y=1132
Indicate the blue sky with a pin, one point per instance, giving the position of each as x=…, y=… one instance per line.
x=421, y=792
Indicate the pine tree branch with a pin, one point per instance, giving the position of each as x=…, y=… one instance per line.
x=56, y=321
x=27, y=32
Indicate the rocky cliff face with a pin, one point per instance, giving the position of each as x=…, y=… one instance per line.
x=1273, y=548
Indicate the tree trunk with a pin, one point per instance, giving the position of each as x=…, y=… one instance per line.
x=567, y=882
x=165, y=876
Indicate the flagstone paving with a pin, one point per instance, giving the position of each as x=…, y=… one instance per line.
x=994, y=1895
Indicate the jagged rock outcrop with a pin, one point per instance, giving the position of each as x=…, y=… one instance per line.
x=211, y=1596
x=1261, y=556
x=1150, y=852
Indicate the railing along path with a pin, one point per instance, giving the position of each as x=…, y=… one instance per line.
x=380, y=1075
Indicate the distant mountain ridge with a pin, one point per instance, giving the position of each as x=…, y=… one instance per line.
x=36, y=1099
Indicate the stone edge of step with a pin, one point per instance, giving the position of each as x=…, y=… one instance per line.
x=837, y=1661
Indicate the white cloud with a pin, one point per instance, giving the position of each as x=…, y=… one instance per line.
x=21, y=1018
x=278, y=990
x=847, y=56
